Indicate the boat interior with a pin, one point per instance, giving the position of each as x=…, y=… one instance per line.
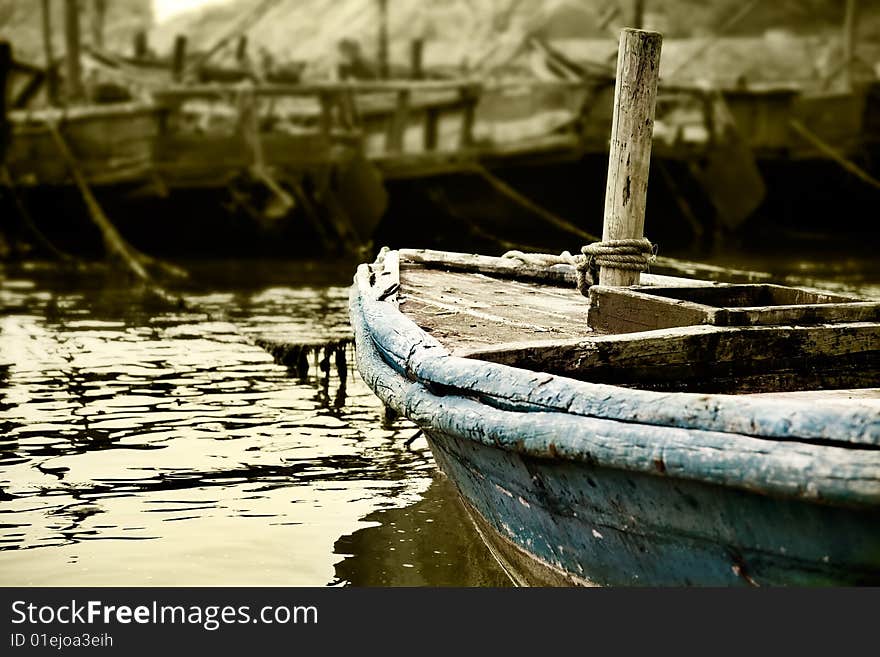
x=701, y=336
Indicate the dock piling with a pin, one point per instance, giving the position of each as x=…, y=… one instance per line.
x=416, y=53
x=74, y=81
x=178, y=58
x=48, y=54
x=635, y=95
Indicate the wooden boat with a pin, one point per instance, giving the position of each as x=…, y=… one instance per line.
x=674, y=432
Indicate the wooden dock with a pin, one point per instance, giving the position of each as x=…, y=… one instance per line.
x=329, y=149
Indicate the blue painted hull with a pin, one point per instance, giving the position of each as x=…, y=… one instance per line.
x=552, y=522
x=586, y=484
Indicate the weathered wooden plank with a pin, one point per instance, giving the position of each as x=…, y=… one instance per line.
x=730, y=362
x=629, y=158
x=469, y=96
x=75, y=113
x=563, y=274
x=432, y=119
x=361, y=87
x=480, y=308
x=855, y=311
x=326, y=100
x=561, y=523
x=398, y=122
x=73, y=82
x=512, y=300
x=752, y=295
x=225, y=152
x=506, y=267
x=862, y=396
x=178, y=58
x=622, y=310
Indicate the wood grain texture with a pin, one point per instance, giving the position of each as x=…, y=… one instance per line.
x=708, y=359
x=467, y=311
x=397, y=122
x=414, y=351
x=641, y=308
x=629, y=158
x=666, y=271
x=835, y=475
x=580, y=483
x=551, y=522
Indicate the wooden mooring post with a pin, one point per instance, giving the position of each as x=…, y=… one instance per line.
x=635, y=96
x=5, y=70
x=850, y=28
x=48, y=54
x=637, y=20
x=74, y=83
x=382, y=46
x=98, y=19
x=140, y=46
x=178, y=58
x=416, y=55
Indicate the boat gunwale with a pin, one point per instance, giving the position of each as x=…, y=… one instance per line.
x=412, y=351
x=400, y=362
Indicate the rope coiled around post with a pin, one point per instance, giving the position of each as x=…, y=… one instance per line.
x=632, y=255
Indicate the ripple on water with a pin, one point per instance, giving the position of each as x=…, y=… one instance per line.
x=168, y=449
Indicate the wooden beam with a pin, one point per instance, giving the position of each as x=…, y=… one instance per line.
x=541, y=212
x=5, y=68
x=432, y=120
x=48, y=54
x=178, y=58
x=241, y=49
x=469, y=96
x=98, y=16
x=74, y=82
x=140, y=47
x=472, y=86
x=829, y=151
x=254, y=14
x=382, y=53
x=326, y=100
x=638, y=14
x=416, y=52
x=115, y=245
x=850, y=26
x=397, y=123
x=635, y=96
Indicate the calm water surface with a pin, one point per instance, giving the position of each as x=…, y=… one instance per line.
x=165, y=448
x=143, y=446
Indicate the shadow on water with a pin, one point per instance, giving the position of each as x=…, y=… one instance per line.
x=429, y=543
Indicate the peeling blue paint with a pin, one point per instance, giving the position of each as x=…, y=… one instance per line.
x=620, y=486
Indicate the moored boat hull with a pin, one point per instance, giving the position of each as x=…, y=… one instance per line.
x=552, y=523
x=574, y=482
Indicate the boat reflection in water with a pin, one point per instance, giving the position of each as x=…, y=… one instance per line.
x=429, y=543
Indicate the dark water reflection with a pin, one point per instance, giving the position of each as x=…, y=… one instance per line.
x=148, y=447
x=429, y=543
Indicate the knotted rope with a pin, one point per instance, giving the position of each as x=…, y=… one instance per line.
x=633, y=255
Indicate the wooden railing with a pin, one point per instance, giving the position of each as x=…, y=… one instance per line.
x=347, y=107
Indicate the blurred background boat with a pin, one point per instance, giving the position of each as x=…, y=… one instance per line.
x=285, y=127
